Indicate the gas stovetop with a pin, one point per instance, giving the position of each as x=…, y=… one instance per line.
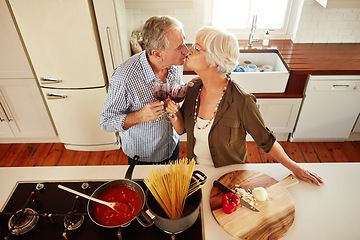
x=50, y=208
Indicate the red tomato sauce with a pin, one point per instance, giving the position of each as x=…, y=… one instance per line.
x=130, y=204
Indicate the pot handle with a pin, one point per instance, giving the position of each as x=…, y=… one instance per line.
x=130, y=170
x=145, y=218
x=200, y=177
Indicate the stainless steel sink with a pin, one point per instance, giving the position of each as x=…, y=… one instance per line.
x=263, y=82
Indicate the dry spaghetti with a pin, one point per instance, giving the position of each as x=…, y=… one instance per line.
x=170, y=187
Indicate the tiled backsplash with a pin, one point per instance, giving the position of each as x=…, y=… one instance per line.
x=328, y=25
x=316, y=24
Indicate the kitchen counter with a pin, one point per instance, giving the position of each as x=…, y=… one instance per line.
x=315, y=58
x=308, y=58
x=327, y=212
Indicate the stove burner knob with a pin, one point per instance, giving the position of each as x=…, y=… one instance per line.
x=40, y=186
x=85, y=186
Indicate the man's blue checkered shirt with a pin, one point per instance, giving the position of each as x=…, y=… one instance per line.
x=130, y=89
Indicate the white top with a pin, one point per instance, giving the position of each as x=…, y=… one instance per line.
x=201, y=146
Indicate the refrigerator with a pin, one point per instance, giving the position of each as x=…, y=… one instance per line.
x=73, y=47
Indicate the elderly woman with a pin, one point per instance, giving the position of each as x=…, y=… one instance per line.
x=217, y=113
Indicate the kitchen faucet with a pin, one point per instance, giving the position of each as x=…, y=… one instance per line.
x=252, y=31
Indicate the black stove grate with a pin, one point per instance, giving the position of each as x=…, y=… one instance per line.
x=56, y=203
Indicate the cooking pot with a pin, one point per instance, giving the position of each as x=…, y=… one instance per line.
x=127, y=183
x=156, y=215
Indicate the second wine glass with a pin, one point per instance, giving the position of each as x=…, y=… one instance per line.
x=177, y=94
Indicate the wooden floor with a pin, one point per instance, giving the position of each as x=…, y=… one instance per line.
x=54, y=154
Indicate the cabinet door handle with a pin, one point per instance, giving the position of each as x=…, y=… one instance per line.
x=49, y=80
x=2, y=113
x=340, y=86
x=5, y=108
x=108, y=34
x=55, y=96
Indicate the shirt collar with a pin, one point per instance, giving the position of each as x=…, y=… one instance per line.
x=173, y=71
x=148, y=72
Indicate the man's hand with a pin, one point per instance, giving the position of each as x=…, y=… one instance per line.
x=151, y=111
x=148, y=113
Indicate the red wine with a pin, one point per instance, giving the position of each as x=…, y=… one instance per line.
x=177, y=98
x=178, y=94
x=160, y=94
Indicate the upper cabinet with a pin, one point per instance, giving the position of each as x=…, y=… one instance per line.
x=159, y=4
x=13, y=61
x=339, y=3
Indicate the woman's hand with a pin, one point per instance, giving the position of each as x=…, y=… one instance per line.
x=192, y=81
x=176, y=121
x=308, y=176
x=171, y=106
x=279, y=154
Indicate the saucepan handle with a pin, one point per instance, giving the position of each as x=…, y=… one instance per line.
x=145, y=218
x=130, y=170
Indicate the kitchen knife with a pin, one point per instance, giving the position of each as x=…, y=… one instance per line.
x=224, y=189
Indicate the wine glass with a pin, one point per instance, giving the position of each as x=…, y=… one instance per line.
x=177, y=94
x=161, y=92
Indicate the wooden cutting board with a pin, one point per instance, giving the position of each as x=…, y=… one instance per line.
x=276, y=214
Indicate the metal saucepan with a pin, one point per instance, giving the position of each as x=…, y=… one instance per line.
x=156, y=215
x=128, y=183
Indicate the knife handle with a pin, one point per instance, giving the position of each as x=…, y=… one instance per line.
x=221, y=187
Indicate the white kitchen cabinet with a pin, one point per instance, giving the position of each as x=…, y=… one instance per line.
x=279, y=115
x=159, y=4
x=23, y=115
x=22, y=111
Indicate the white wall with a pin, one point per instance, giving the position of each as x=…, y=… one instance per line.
x=310, y=22
x=193, y=19
x=327, y=25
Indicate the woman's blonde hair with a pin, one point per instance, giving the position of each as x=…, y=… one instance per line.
x=221, y=46
x=154, y=32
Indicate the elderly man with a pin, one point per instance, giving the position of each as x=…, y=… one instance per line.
x=130, y=107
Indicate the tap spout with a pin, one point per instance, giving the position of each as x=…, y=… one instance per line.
x=252, y=31
x=253, y=25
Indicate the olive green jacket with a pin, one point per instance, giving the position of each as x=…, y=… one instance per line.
x=237, y=115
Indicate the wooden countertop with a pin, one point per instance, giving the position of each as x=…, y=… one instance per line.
x=309, y=58
x=317, y=58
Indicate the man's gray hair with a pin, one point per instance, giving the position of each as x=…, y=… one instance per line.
x=221, y=46
x=154, y=32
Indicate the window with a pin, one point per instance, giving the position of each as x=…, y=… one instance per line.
x=237, y=15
